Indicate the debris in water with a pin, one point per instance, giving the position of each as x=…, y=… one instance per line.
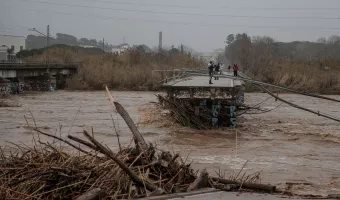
x=45, y=171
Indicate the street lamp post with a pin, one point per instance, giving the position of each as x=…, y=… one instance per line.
x=47, y=41
x=47, y=54
x=35, y=30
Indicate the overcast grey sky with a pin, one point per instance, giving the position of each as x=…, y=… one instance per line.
x=197, y=28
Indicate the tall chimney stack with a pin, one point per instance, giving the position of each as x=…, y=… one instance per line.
x=160, y=41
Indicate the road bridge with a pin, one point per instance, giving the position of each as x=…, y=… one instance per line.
x=21, y=70
x=36, y=75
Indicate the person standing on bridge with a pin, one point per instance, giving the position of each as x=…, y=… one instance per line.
x=235, y=68
x=217, y=70
x=211, y=70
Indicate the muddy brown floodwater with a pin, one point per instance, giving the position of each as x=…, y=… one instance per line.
x=286, y=145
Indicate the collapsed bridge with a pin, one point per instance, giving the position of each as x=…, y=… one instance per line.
x=197, y=104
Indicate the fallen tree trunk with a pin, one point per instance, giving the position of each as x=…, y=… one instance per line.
x=109, y=154
x=252, y=186
x=137, y=136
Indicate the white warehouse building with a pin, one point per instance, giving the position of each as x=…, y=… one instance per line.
x=120, y=48
x=17, y=43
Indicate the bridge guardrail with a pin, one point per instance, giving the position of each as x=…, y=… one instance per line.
x=178, y=74
x=37, y=65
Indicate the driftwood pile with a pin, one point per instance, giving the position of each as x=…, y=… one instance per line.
x=46, y=172
x=184, y=113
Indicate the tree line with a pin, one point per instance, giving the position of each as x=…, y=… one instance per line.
x=259, y=52
x=38, y=42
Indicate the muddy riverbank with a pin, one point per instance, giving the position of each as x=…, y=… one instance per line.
x=286, y=145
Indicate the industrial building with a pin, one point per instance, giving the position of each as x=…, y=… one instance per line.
x=3, y=53
x=17, y=43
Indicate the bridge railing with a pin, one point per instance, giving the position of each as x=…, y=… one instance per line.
x=172, y=75
x=37, y=63
x=28, y=65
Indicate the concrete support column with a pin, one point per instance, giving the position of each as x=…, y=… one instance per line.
x=232, y=116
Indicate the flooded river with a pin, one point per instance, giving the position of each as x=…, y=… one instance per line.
x=286, y=144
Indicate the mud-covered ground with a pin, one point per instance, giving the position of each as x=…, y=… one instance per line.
x=286, y=145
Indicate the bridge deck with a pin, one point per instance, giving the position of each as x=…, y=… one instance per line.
x=203, y=81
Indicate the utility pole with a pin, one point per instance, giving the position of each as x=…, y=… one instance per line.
x=47, y=42
x=103, y=46
x=182, y=49
x=47, y=45
x=48, y=36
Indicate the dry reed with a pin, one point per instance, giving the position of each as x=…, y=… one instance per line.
x=310, y=76
x=131, y=70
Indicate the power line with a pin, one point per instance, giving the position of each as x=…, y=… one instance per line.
x=181, y=13
x=206, y=7
x=11, y=33
x=14, y=26
x=146, y=4
x=185, y=23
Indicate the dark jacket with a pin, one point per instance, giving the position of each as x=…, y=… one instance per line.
x=218, y=67
x=211, y=67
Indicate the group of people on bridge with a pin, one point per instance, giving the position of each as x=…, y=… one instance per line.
x=216, y=69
